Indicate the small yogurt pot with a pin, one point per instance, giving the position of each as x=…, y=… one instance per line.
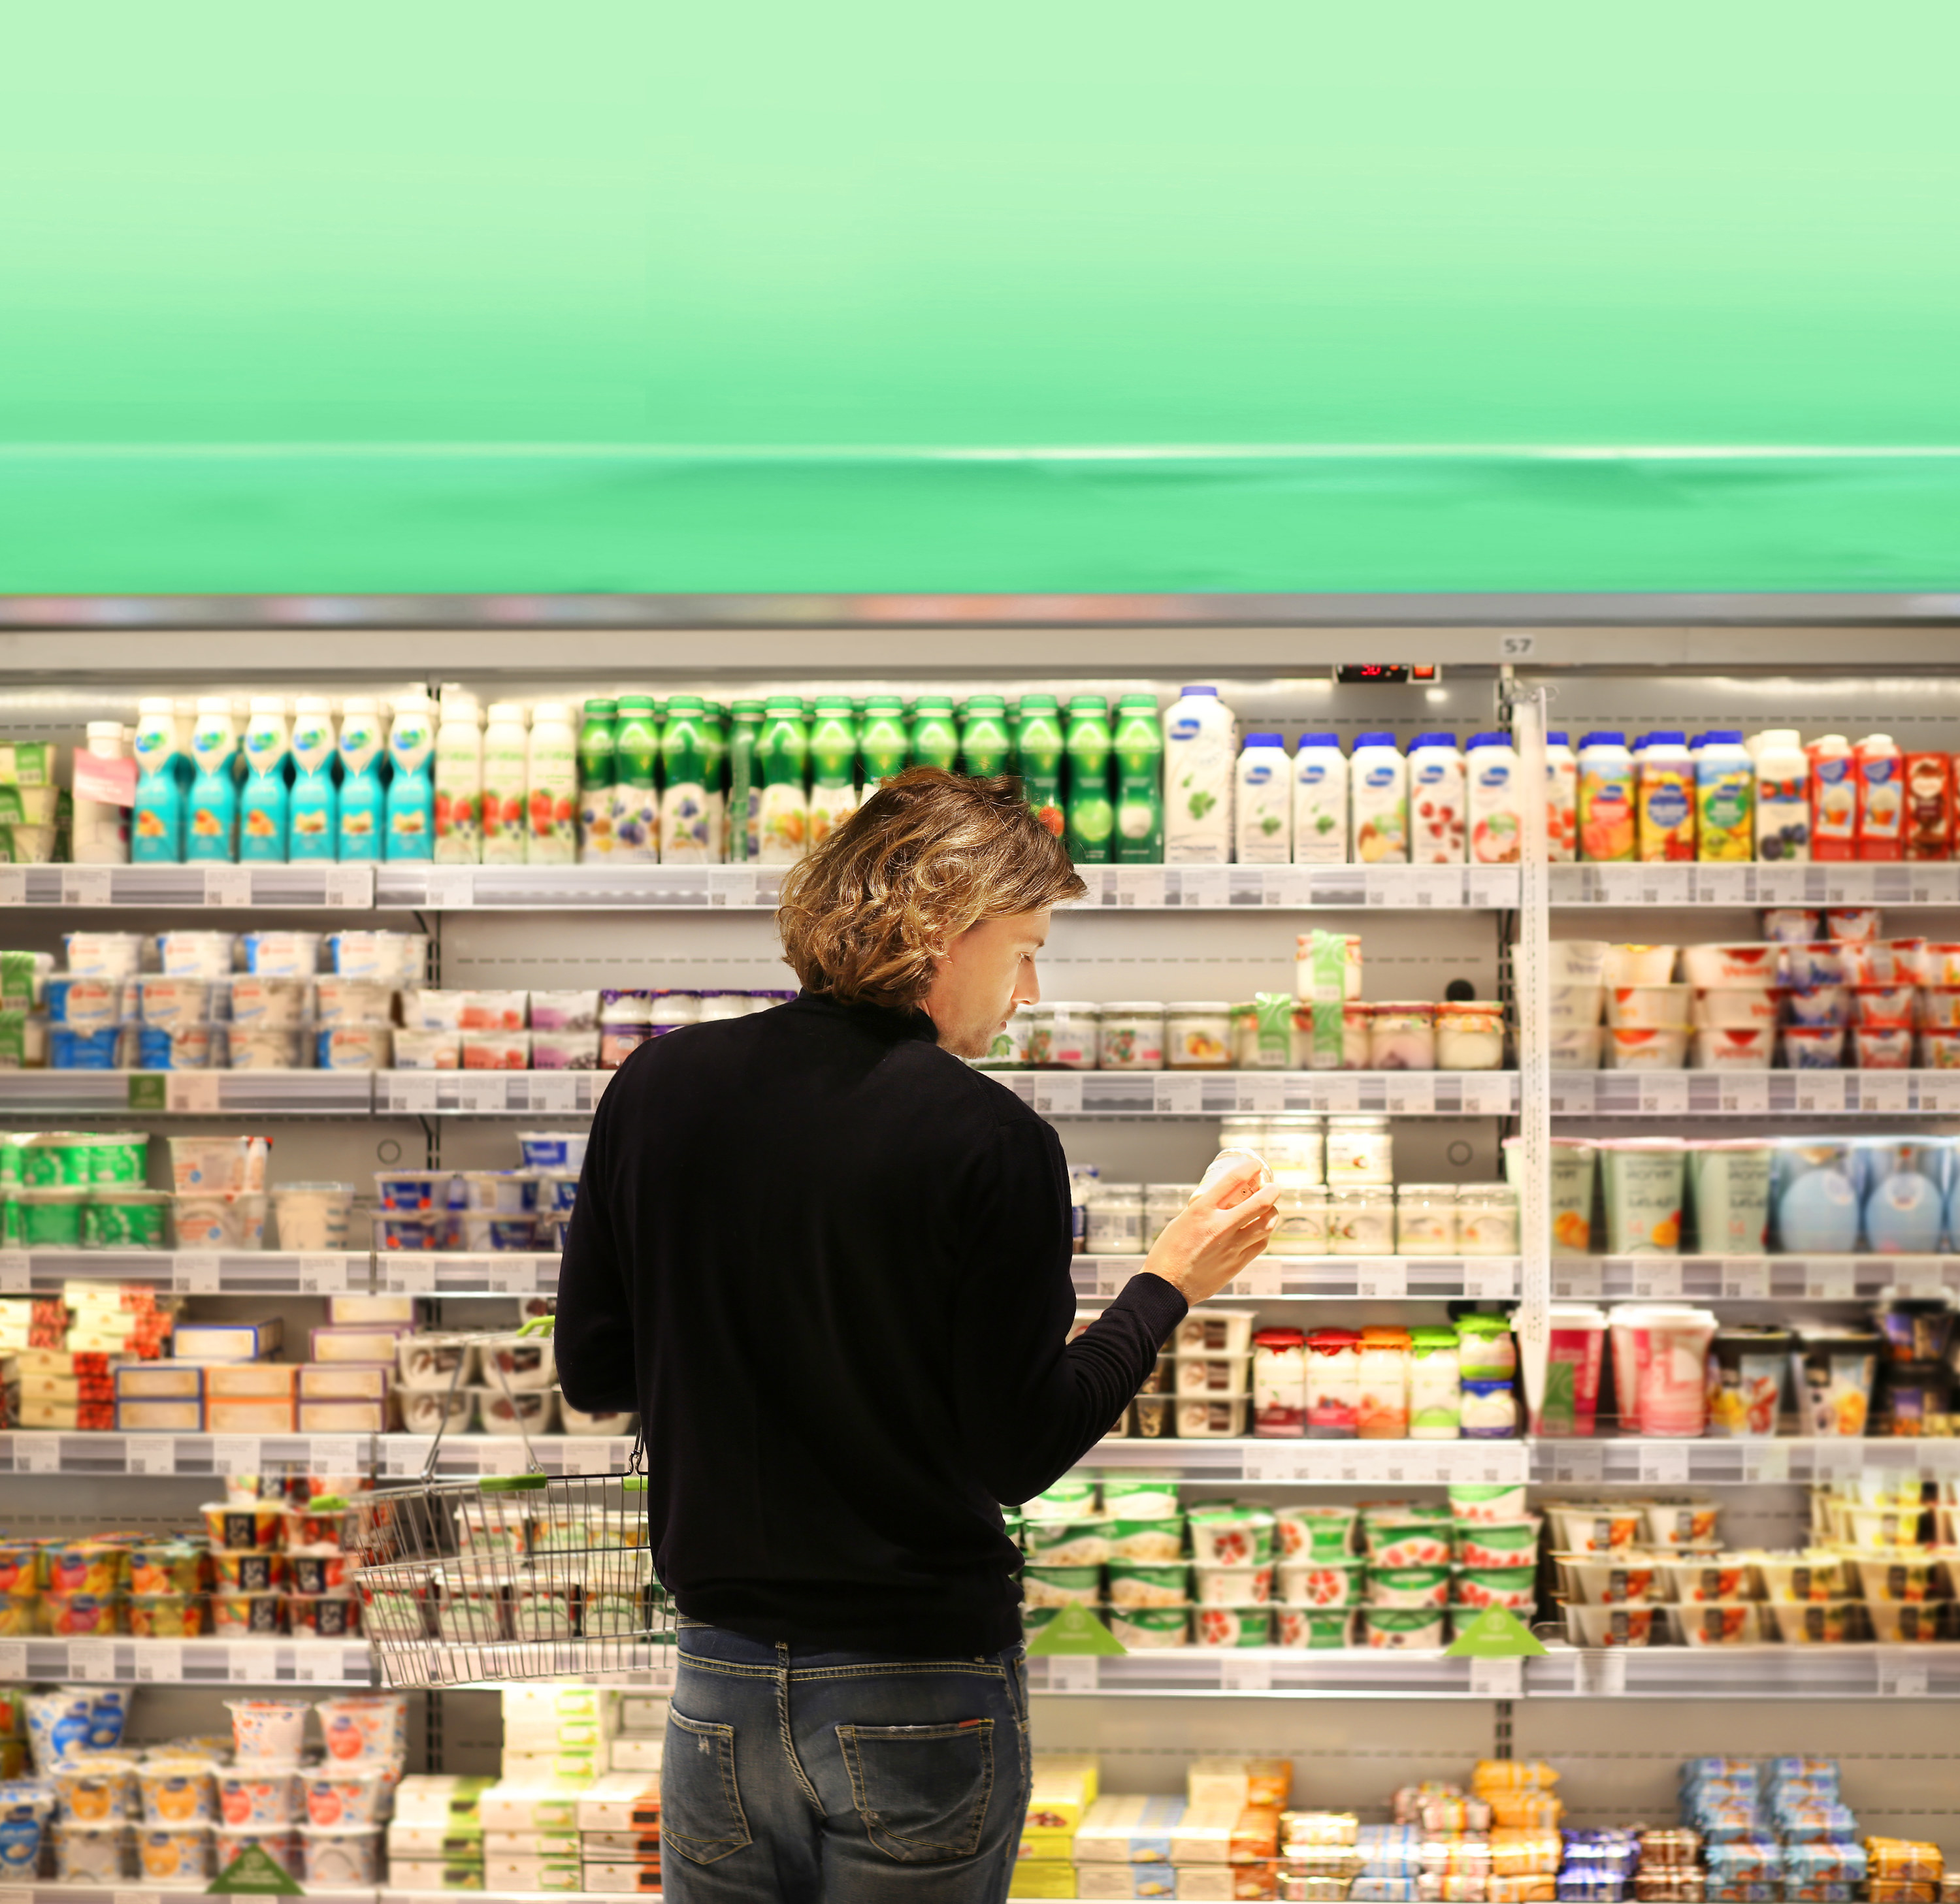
x=428, y=1050
x=1894, y=1006
x=260, y=1524
x=1814, y=1004
x=1813, y=1047
x=1232, y=1626
x=97, y=1787
x=424, y=1411
x=313, y=1217
x=282, y=954
x=1201, y=1418
x=343, y=1857
x=1899, y=1578
x=1885, y=961
x=1144, y=1630
x=281, y=1847
x=1395, y=1542
x=496, y=1051
x=259, y=1794
x=175, y=1854
x=1316, y=1533
x=170, y=1001
x=1882, y=1047
x=353, y=1001
x=1228, y=1533
x=257, y=1047
x=1314, y=1628
x=521, y=1361
x=317, y=1528
x=238, y=1616
x=1407, y=1586
x=483, y=1234
x=1580, y=961
x=1502, y=1543
x=567, y=1050
x=323, y=1573
x=1585, y=1528
x=247, y=1570
x=1680, y=1527
x=1574, y=1006
x=90, y=1854
x=1576, y=1048
x=1814, y=1575
x=1939, y=1050
x=1134, y=1583
x=82, y=1615
x=1829, y=1623
x=1715, y=1624
x=1404, y=1628
x=1486, y=1503
x=1939, y=1008
x=1626, y=965
x=166, y=1566
x=219, y=1219
x=613, y=1424
x=1611, y=1626
x=1513, y=1588
x=1233, y=1586
x=1062, y=1586
x=1903, y=1622
x=165, y=1615
x=1715, y=1006
x=498, y=1414
x=1693, y=1579
x=505, y=1193
x=552, y=1149
x=1649, y=1007
x=1628, y=1049
x=409, y=1192
x=1819, y=963
x=1749, y=962
x=1734, y=1047
x=178, y=1790
x=262, y=1002
x=354, y=1047
x=1321, y=1583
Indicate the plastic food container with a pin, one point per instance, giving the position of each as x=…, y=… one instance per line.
x=1830, y=1622
x=1231, y=1534
x=1197, y=1035
x=1134, y=1583
x=1626, y=965
x=1199, y=1419
x=1316, y=1534
x=576, y=1421
x=1675, y=1527
x=1214, y=1332
x=1062, y=1586
x=265, y=1047
x=1734, y=1047
x=1402, y=1037
x=166, y=1567
x=1576, y=1048
x=1314, y=1628
x=1648, y=1007
x=1403, y=1628
x=1320, y=1583
x=1899, y=1578
x=1233, y=1586
x=522, y=1361
x=175, y=1854
x=250, y=1570
x=236, y=1616
x=1513, y=1588
x=313, y=1217
x=323, y=1573
x=1583, y=961
x=1574, y=1007
x=219, y=1219
x=1150, y=1629
x=122, y=1217
x=1813, y=1004
x=1622, y=1049
x=178, y=1790
x=1903, y=1622
x=1396, y=1542
x=1819, y=1575
x=1226, y=1375
x=1748, y=962
x=1232, y=1626
x=1813, y=1047
x=97, y=1788
x=346, y=1856
x=1694, y=1579
x=498, y=1414
x=1611, y=1626
x=261, y=1002
x=370, y=1728
x=249, y=1524
x=485, y=1234
x=91, y=1854
x=1407, y=1586
x=165, y=1615
x=1882, y=1048
x=1617, y=1528
x=1713, y=1623
x=1735, y=1006
x=1469, y=1035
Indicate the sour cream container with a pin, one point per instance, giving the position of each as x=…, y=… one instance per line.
x=1132, y=1035
x=1197, y=1035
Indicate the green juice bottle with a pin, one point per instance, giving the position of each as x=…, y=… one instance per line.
x=1038, y=744
x=1092, y=820
x=986, y=743
x=782, y=757
x=1139, y=745
x=684, y=817
x=833, y=761
x=715, y=760
x=745, y=787
x=883, y=742
x=596, y=772
x=636, y=807
x=935, y=733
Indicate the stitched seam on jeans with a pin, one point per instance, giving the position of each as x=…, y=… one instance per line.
x=723, y=1737
x=903, y=1669
x=727, y=1667
x=847, y=1738
x=783, y=1726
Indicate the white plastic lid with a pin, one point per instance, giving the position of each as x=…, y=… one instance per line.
x=510, y=712
x=268, y=704
x=360, y=704
x=156, y=705
x=556, y=710
x=1135, y=1005
x=312, y=704
x=214, y=703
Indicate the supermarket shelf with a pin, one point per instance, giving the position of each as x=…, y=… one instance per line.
x=1321, y=1463
x=1859, y=1672
x=1918, y=883
x=258, y=1094
x=192, y=1662
x=66, y=1451
x=1743, y=1461
x=1726, y=1094
x=1142, y=887
x=1751, y=1279
x=1213, y=1094
x=337, y=888
x=190, y=1272
x=489, y=1094
x=1334, y=1673
x=130, y=1893
x=1427, y=1279
x=446, y=1272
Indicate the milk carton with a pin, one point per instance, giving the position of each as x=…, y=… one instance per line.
x=1725, y=781
x=1782, y=796
x=1834, y=798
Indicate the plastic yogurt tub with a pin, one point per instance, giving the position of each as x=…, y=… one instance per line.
x=261, y=1047
x=259, y=1795
x=165, y=1615
x=561, y=1050
x=175, y=1854
x=268, y=1730
x=313, y=1217
x=97, y=1788
x=1400, y=1629
x=1136, y=1583
x=282, y=954
x=1320, y=1583
x=1150, y=1629
x=1232, y=1626
x=346, y=1856
x=1062, y=1586
x=263, y=1003
x=1314, y=1628
x=121, y=1217
x=552, y=1149
x=89, y=1853
x=428, y=1050
x=178, y=1790
x=220, y=1219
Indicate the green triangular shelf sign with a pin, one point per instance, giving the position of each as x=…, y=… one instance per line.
x=1496, y=1633
x=253, y=1871
x=1075, y=1629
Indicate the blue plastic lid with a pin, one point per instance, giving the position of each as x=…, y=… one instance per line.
x=1432, y=740
x=1212, y=691
x=1486, y=740
x=1320, y=740
x=1374, y=740
x=1558, y=738
x=1668, y=737
x=1724, y=737
x=1265, y=740
x=1604, y=737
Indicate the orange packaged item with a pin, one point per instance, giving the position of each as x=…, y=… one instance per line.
x=1525, y=1853
x=1540, y=1888
x=1256, y=1836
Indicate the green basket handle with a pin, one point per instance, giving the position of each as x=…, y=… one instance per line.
x=510, y=1483
x=538, y=1326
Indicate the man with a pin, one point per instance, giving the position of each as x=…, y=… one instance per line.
x=829, y=1265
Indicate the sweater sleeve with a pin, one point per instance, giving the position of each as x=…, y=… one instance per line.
x=1030, y=1404
x=594, y=1336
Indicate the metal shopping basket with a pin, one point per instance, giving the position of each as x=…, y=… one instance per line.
x=511, y=1576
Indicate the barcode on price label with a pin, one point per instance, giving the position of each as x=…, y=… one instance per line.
x=91, y=1659
x=1745, y=1278
x=235, y=1454
x=159, y=1661
x=1497, y=1678
x=150, y=1454
x=1058, y=1096
x=195, y=1272
x=1245, y=1675
x=13, y=1273
x=1409, y=1094
x=1601, y=1674
x=1067, y=1675
x=322, y=1274
x=1182, y=1096
x=1381, y=1282
x=316, y=1665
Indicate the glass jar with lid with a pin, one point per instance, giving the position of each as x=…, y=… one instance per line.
x=1303, y=1221
x=1262, y=1032
x=1009, y=1051
x=1074, y=1034
x=1435, y=1391
x=1197, y=1035
x=1426, y=1219
x=1402, y=1037
x=1486, y=1219
x=1295, y=1149
x=1243, y=1134
x=1354, y=1020
x=1132, y=1035
x=1361, y=1221
x=1163, y=1203
x=1470, y=1035
x=1359, y=1150
x=1115, y=1219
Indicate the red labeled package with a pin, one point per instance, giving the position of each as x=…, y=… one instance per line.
x=1881, y=804
x=1929, y=806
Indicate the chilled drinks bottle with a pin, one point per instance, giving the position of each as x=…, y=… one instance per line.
x=714, y=763
x=362, y=817
x=1038, y=741
x=685, y=818
x=935, y=733
x=410, y=807
x=459, y=780
x=1139, y=745
x=263, y=803
x=506, y=817
x=156, y=830
x=745, y=785
x=636, y=808
x=1092, y=819
x=212, y=834
x=782, y=753
x=595, y=781
x=883, y=742
x=313, y=829
x=985, y=744
x=833, y=759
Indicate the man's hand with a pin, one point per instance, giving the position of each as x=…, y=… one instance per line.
x=1216, y=1235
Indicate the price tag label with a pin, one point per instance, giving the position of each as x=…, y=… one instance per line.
x=413, y=1092
x=37, y=1451
x=1381, y=1282
x=1831, y=1282
x=338, y=1454
x=1261, y=1091
x=1663, y=1094
x=1110, y=1278
x=554, y=1092
x=1903, y=1679
x=1206, y=885
x=1497, y=1678
x=1177, y=1096
x=195, y=1272
x=1067, y=1673
x=579, y=1454
x=1488, y=1094
x=1745, y=1278
x=13, y=885
x=13, y=1273
x=1746, y=1093
x=235, y=1454
x=1259, y=1279
x=1724, y=885
x=192, y=1092
x=1281, y=1460
x=150, y=1454
x=1939, y=1091
x=1601, y=1675
x=1656, y=1278
x=1578, y=1462
x=1245, y=1675
x=402, y=1275
x=1490, y=1282
x=1057, y=1094
x=91, y=1659
x=1409, y=1094
x=16, y=1894
x=1390, y=886
x=1819, y=1091
x=85, y=886
x=246, y=1663
x=14, y=1659
x=1626, y=885
x=735, y=887
x=1141, y=886
x=1884, y=1091
x=1337, y=1091
x=351, y=889
x=481, y=1093
x=159, y=1662
x=322, y=1274
x=1491, y=888
x=515, y=1276
x=136, y=1897
x=229, y=886
x=1768, y=1461
x=1666, y=1462
x=449, y=888
x=316, y=1665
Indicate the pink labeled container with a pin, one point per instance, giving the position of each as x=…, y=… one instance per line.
x=260, y=1797
x=272, y=1729
x=369, y=1728
x=1577, y=1353
x=1660, y=1368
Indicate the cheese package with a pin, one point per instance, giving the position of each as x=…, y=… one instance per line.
x=1225, y=1883
x=450, y=1841
x=547, y=1701
x=622, y=1847
x=159, y=1417
x=631, y=1754
x=1126, y=1880
x=422, y=1874
x=1204, y=1834
x=358, y=1341
x=1129, y=1828
x=159, y=1382
x=619, y=1880
x=251, y=1381
x=439, y=1797
x=621, y=1801
x=343, y=1381
x=1256, y=1837
x=1042, y=1877
x=248, y=1417
x=59, y=1388
x=531, y=1874
x=47, y=1414
x=1241, y=1781
x=343, y=1417
x=557, y=1845
x=371, y=1309
x=1061, y=1787
x=229, y=1341
x=567, y=1768
x=642, y=1712
x=530, y=1804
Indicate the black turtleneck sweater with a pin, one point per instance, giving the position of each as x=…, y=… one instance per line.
x=829, y=1265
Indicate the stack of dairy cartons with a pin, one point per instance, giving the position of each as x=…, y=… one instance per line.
x=435, y=1839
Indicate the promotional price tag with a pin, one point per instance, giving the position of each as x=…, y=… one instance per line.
x=194, y=1093
x=195, y=1272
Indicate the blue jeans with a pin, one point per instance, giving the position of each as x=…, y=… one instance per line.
x=792, y=1776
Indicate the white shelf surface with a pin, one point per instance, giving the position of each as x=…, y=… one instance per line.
x=1296, y=1460
x=1427, y=1279
x=1215, y=1093
x=1759, y=1094
x=33, y=1094
x=1745, y=1461
x=493, y=1094
x=316, y=883
x=447, y=1272
x=192, y=1272
x=195, y=1662
x=1751, y=1279
x=1814, y=883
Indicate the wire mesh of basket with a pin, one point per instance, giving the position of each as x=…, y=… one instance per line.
x=511, y=1577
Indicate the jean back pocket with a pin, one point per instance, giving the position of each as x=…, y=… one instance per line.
x=922, y=1790
x=701, y=1810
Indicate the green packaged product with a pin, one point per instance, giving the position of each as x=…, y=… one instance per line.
x=56, y=1159
x=51, y=1219
x=1062, y=1586
x=118, y=1158
x=124, y=1218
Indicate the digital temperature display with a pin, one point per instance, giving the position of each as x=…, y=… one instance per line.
x=1382, y=672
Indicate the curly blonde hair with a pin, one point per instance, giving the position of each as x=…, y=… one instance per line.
x=929, y=854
